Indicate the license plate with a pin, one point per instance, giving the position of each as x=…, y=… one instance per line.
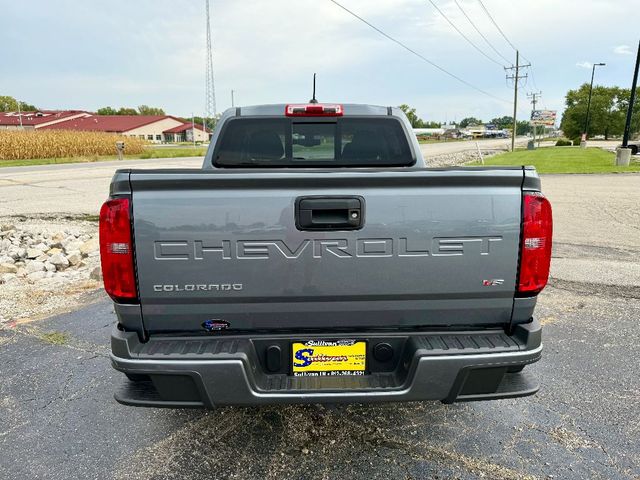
x=318, y=358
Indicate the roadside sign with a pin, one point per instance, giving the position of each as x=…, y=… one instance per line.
x=543, y=117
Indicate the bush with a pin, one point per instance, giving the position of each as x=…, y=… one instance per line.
x=25, y=144
x=576, y=141
x=563, y=142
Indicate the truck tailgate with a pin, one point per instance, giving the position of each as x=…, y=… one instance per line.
x=436, y=247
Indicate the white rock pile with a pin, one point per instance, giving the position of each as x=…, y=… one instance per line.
x=32, y=255
x=458, y=158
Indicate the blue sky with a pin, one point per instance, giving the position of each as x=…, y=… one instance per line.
x=87, y=54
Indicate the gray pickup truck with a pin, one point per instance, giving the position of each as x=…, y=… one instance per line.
x=316, y=258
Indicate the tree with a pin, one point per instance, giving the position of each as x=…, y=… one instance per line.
x=502, y=122
x=522, y=127
x=107, y=111
x=142, y=110
x=465, y=122
x=411, y=114
x=607, y=113
x=623, y=102
x=10, y=104
x=127, y=111
x=211, y=121
x=414, y=120
x=147, y=110
x=506, y=123
x=27, y=107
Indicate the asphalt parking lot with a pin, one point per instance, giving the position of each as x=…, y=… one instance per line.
x=58, y=419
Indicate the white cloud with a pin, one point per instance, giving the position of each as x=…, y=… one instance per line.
x=96, y=55
x=622, y=50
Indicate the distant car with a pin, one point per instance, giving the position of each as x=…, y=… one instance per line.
x=634, y=146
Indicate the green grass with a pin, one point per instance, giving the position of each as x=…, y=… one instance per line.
x=150, y=152
x=563, y=160
x=54, y=338
x=171, y=152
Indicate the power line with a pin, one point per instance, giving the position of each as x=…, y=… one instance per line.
x=533, y=80
x=535, y=84
x=423, y=58
x=480, y=33
x=463, y=35
x=497, y=26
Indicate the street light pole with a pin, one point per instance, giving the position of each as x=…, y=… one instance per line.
x=583, y=143
x=623, y=154
x=634, y=84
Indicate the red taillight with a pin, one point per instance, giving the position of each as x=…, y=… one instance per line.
x=535, y=256
x=313, y=110
x=116, y=251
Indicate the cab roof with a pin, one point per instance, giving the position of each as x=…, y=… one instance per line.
x=278, y=109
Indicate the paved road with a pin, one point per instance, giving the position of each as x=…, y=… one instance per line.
x=58, y=420
x=444, y=148
x=74, y=188
x=80, y=188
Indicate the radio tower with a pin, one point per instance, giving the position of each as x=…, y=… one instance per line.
x=210, y=91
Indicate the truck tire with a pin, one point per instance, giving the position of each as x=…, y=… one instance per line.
x=516, y=369
x=137, y=377
x=634, y=149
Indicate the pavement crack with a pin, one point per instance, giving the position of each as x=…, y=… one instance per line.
x=16, y=183
x=85, y=347
x=599, y=445
x=599, y=289
x=62, y=390
x=573, y=442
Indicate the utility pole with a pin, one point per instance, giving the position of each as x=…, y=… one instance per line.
x=232, y=102
x=516, y=78
x=634, y=84
x=534, y=96
x=623, y=154
x=583, y=142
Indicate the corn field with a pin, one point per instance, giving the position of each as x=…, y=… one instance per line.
x=25, y=144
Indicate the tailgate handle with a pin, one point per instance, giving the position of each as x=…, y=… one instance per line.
x=329, y=213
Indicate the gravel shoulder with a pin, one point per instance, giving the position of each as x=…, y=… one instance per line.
x=46, y=265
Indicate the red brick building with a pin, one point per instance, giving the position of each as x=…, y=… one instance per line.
x=153, y=128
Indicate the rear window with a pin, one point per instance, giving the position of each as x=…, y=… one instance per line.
x=286, y=142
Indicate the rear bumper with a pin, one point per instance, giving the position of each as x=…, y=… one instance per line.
x=214, y=371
